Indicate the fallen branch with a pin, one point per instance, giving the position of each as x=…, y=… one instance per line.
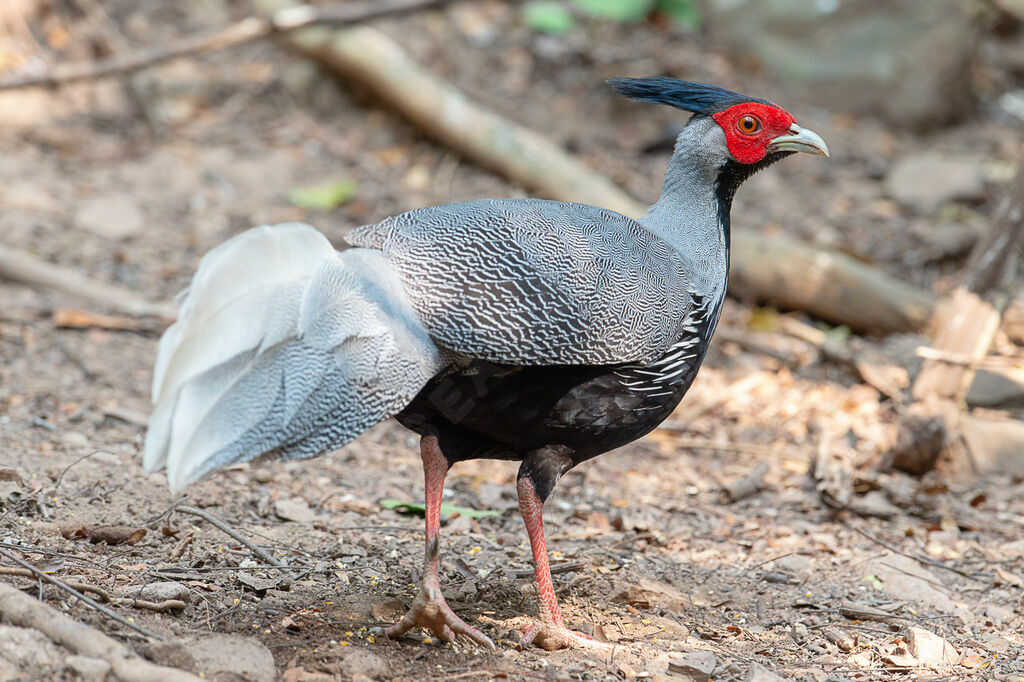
x=746, y=486
x=228, y=530
x=21, y=610
x=829, y=285
x=81, y=587
x=163, y=606
x=245, y=31
x=72, y=591
x=19, y=266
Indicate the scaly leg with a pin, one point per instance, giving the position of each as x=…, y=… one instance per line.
x=429, y=610
x=550, y=633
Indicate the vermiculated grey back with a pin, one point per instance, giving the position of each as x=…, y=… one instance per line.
x=528, y=281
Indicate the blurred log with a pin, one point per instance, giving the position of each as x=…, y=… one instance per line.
x=793, y=275
x=19, y=266
x=827, y=284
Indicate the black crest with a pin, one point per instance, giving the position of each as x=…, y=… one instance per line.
x=698, y=98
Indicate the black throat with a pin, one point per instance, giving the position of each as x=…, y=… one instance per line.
x=730, y=177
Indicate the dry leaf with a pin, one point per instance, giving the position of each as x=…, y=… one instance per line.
x=111, y=535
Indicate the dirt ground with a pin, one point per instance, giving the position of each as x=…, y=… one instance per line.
x=131, y=181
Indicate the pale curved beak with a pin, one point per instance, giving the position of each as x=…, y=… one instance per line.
x=799, y=140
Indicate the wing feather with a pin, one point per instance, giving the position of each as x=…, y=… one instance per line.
x=531, y=282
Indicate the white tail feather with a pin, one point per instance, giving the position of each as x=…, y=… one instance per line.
x=282, y=344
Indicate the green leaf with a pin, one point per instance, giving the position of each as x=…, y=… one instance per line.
x=547, y=17
x=419, y=509
x=616, y=10
x=873, y=581
x=686, y=13
x=323, y=197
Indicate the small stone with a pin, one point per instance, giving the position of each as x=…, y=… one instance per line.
x=999, y=614
x=357, y=661
x=994, y=643
x=995, y=444
x=646, y=593
x=875, y=503
x=696, y=665
x=905, y=579
x=161, y=591
x=113, y=216
x=759, y=673
x=997, y=388
x=294, y=509
x=74, y=440
x=217, y=656
x=930, y=649
x=925, y=182
x=88, y=668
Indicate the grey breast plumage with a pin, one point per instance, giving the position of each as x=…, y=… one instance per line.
x=534, y=282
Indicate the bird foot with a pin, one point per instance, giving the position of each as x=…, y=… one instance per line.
x=551, y=637
x=430, y=611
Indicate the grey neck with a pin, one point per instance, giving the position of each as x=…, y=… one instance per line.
x=688, y=214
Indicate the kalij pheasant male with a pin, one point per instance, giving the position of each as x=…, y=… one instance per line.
x=541, y=331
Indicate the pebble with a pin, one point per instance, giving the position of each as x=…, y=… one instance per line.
x=294, y=509
x=930, y=649
x=759, y=673
x=924, y=182
x=696, y=665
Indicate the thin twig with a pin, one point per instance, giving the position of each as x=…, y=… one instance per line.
x=245, y=31
x=86, y=600
x=84, y=587
x=228, y=530
x=920, y=559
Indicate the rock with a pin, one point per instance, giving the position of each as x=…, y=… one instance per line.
x=294, y=509
x=924, y=182
x=906, y=61
x=994, y=644
x=88, y=668
x=875, y=503
x=997, y=388
x=995, y=444
x=161, y=591
x=217, y=657
x=930, y=649
x=74, y=440
x=645, y=594
x=759, y=673
x=29, y=650
x=920, y=439
x=695, y=665
x=356, y=661
x=905, y=579
x=113, y=216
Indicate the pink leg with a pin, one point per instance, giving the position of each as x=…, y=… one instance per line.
x=430, y=610
x=550, y=633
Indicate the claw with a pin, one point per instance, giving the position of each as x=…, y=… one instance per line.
x=430, y=611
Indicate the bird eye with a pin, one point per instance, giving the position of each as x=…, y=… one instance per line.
x=749, y=125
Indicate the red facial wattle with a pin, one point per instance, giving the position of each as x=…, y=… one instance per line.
x=751, y=147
